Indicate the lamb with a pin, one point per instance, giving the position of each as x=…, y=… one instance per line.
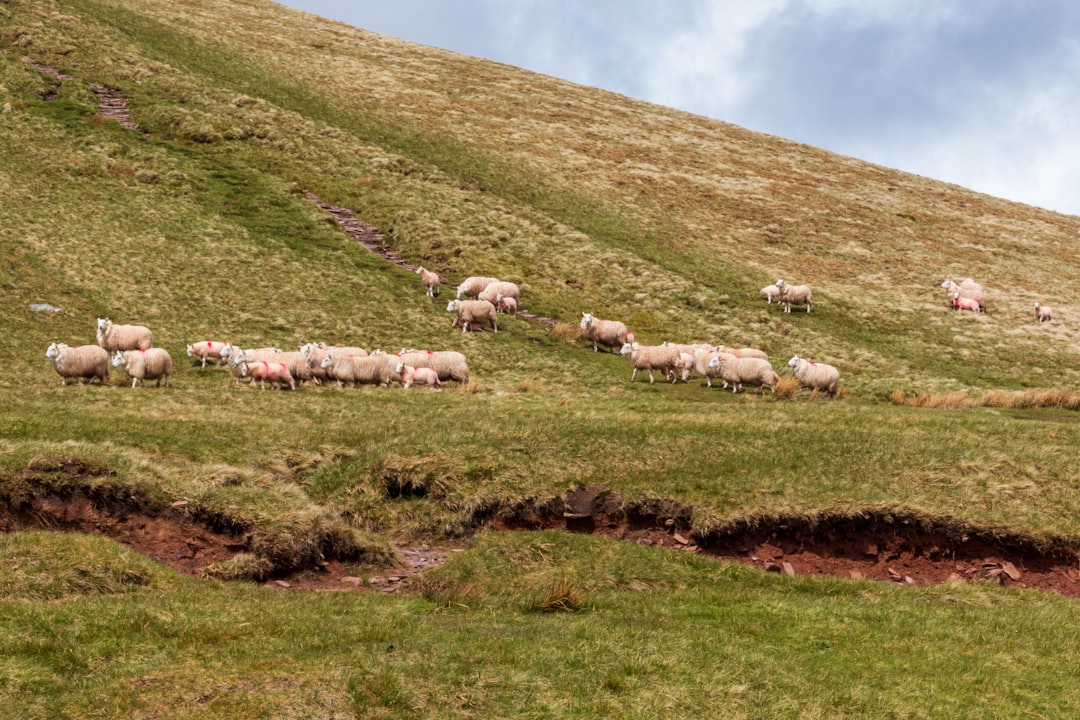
x=965, y=303
x=1043, y=313
x=794, y=295
x=115, y=338
x=447, y=364
x=419, y=376
x=651, y=357
x=143, y=365
x=609, y=333
x=744, y=371
x=473, y=286
x=815, y=376
x=430, y=281
x=276, y=373
x=349, y=371
x=769, y=292
x=493, y=290
x=471, y=311
x=83, y=361
x=507, y=305
x=205, y=349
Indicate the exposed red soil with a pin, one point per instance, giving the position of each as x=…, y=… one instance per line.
x=188, y=545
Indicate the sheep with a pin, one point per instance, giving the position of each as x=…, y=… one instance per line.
x=702, y=358
x=204, y=349
x=143, y=365
x=419, y=376
x=276, y=373
x=430, y=281
x=115, y=338
x=965, y=303
x=493, y=290
x=769, y=292
x=967, y=289
x=298, y=364
x=794, y=295
x=372, y=370
x=237, y=357
x=470, y=311
x=651, y=357
x=744, y=371
x=473, y=286
x=1043, y=313
x=505, y=304
x=83, y=361
x=609, y=333
x=315, y=352
x=815, y=376
x=685, y=363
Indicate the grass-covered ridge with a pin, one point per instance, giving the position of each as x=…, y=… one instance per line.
x=199, y=225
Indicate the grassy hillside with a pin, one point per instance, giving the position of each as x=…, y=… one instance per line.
x=200, y=225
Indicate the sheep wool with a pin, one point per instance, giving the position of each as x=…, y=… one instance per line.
x=430, y=280
x=115, y=338
x=744, y=371
x=143, y=365
x=473, y=286
x=81, y=362
x=264, y=371
x=206, y=349
x=794, y=295
x=417, y=376
x=1043, y=313
x=769, y=292
x=652, y=357
x=474, y=311
x=493, y=290
x=352, y=371
x=609, y=333
x=815, y=376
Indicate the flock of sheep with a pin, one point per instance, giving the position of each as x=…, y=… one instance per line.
x=734, y=367
x=477, y=304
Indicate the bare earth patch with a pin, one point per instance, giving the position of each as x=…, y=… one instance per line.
x=851, y=550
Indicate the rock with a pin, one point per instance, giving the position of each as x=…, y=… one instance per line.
x=352, y=580
x=1011, y=571
x=789, y=569
x=680, y=539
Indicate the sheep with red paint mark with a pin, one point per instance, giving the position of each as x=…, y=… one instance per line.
x=417, y=376
x=204, y=350
x=265, y=371
x=965, y=303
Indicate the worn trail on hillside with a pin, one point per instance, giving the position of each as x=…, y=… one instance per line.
x=873, y=546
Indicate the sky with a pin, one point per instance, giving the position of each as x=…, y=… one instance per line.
x=980, y=93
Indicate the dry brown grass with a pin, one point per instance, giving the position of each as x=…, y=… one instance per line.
x=1051, y=398
x=565, y=332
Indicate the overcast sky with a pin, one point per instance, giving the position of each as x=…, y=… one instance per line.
x=981, y=93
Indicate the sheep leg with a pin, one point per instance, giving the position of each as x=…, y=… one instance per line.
x=633, y=375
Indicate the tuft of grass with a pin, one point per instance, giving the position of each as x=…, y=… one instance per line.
x=565, y=332
x=562, y=595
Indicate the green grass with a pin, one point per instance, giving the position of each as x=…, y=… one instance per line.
x=199, y=227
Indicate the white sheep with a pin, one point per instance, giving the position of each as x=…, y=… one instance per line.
x=83, y=361
x=265, y=371
x=143, y=365
x=204, y=349
x=744, y=371
x=609, y=333
x=493, y=290
x=815, y=376
x=702, y=364
x=473, y=286
x=769, y=292
x=507, y=305
x=473, y=311
x=651, y=357
x=418, y=376
x=794, y=295
x=430, y=280
x=1043, y=313
x=349, y=370
x=115, y=337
